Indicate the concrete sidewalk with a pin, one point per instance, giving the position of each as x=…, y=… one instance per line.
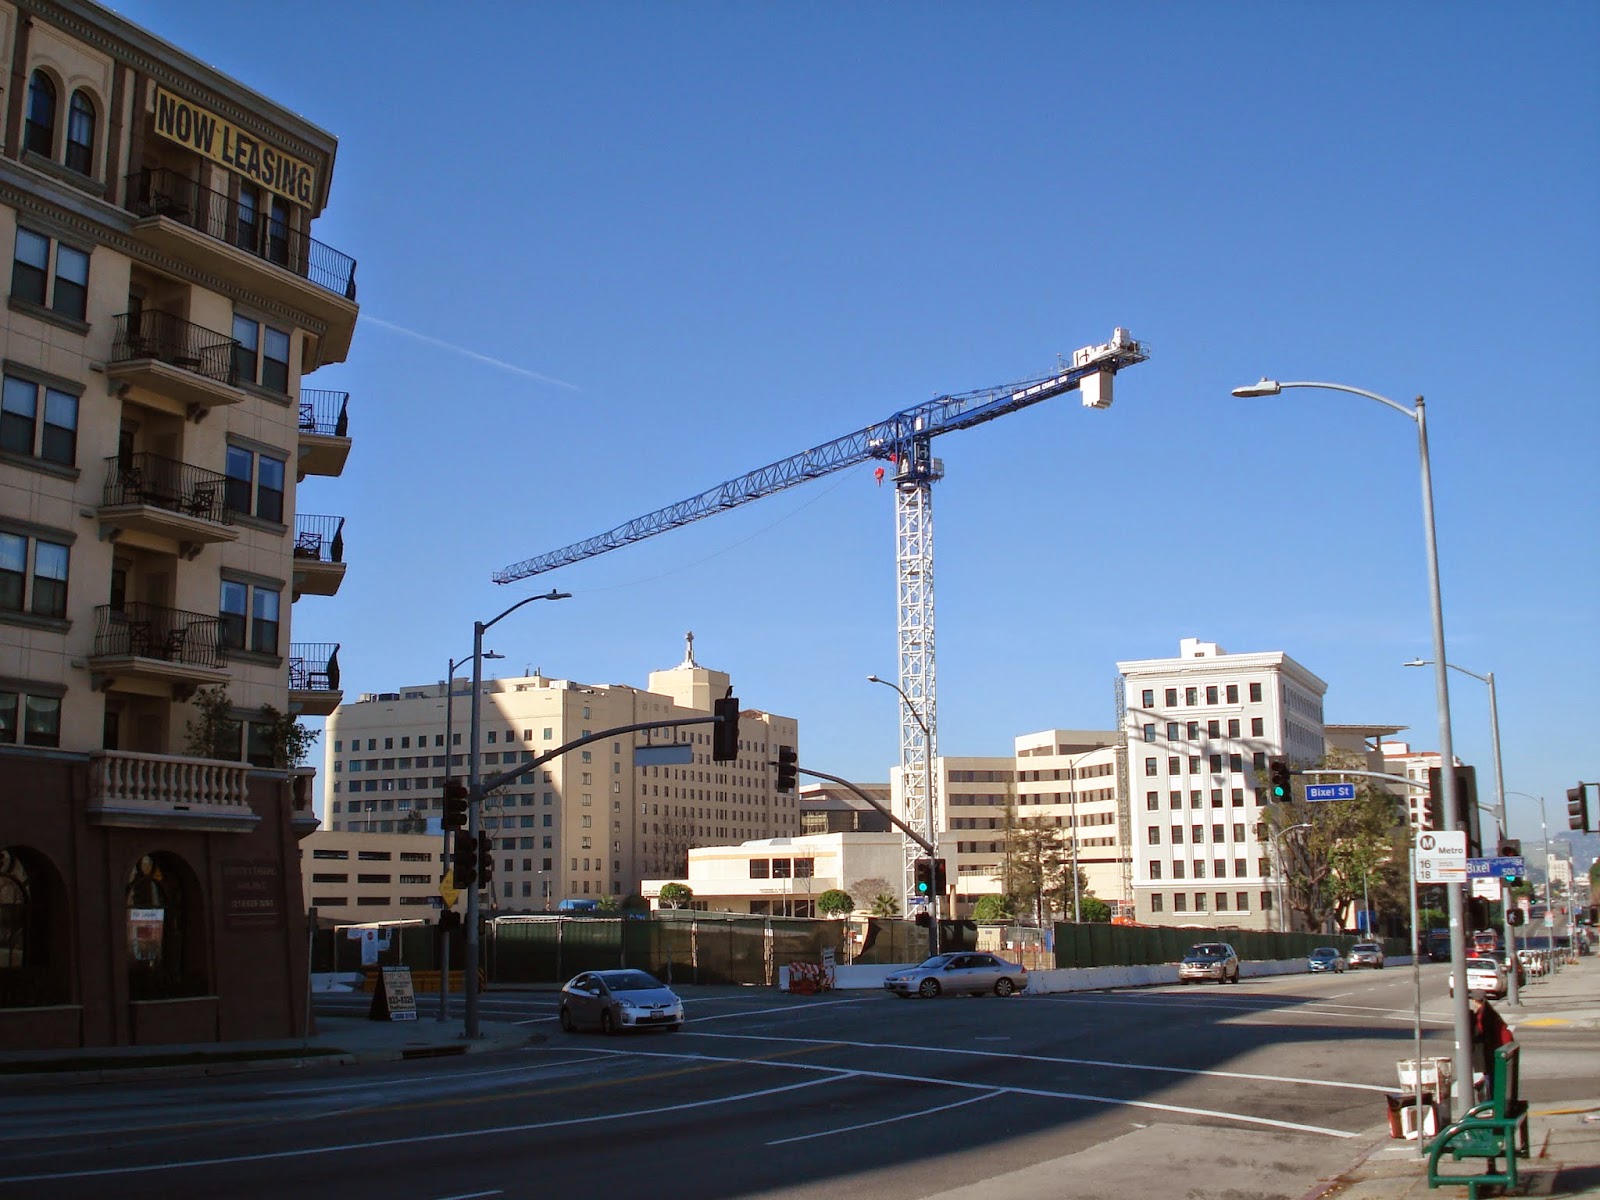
x=1564, y=1132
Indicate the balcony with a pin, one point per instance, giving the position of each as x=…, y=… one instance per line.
x=314, y=678
x=272, y=259
x=161, y=498
x=161, y=791
x=318, y=555
x=175, y=358
x=324, y=432
x=153, y=650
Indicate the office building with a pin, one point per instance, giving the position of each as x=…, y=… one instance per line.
x=592, y=822
x=1200, y=728
x=166, y=300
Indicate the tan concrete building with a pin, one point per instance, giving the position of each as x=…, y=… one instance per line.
x=591, y=823
x=166, y=300
x=1200, y=729
x=360, y=877
x=1068, y=777
x=784, y=876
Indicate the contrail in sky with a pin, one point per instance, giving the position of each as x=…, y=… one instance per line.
x=368, y=319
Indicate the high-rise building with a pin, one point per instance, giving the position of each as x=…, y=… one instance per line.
x=166, y=299
x=588, y=823
x=1200, y=729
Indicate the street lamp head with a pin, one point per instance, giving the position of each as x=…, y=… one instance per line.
x=552, y=594
x=874, y=679
x=1418, y=662
x=1267, y=387
x=492, y=654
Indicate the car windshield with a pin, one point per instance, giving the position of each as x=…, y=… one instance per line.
x=1324, y=952
x=630, y=981
x=934, y=963
x=1367, y=946
x=1208, y=950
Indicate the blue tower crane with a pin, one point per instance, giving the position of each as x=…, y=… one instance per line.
x=903, y=441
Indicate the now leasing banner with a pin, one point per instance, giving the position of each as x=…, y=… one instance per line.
x=182, y=121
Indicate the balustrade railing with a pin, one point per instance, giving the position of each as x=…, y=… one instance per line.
x=324, y=412
x=179, y=487
x=151, y=333
x=140, y=630
x=319, y=538
x=314, y=667
x=166, y=782
x=159, y=191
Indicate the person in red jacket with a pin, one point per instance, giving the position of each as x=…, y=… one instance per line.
x=1489, y=1033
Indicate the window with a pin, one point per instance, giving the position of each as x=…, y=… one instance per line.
x=1172, y=731
x=1155, y=870
x=1211, y=694
x=1216, y=763
x=1216, y=833
x=1257, y=727
x=1238, y=869
x=1178, y=870
x=1150, y=731
x=1191, y=695
x=1149, y=766
x=1236, y=763
x=1255, y=693
x=1174, y=799
x=1241, y=901
x=33, y=576
x=68, y=293
x=1238, y=836
x=1180, y=901
x=1198, y=832
x=1219, y=868
x=249, y=614
x=1153, y=835
x=1233, y=727
x=39, y=714
x=1216, y=797
x=1222, y=901
x=1152, y=801
x=1200, y=900
x=262, y=354
x=80, y=134
x=1213, y=728
x=1177, y=835
x=1172, y=697
x=1266, y=901
x=1200, y=869
x=255, y=484
x=39, y=132
x=1174, y=764
x=1147, y=698
x=1233, y=693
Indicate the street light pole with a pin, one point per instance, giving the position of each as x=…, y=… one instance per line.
x=928, y=794
x=475, y=799
x=1503, y=827
x=1458, y=957
x=1283, y=875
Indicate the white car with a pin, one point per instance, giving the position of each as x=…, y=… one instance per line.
x=976, y=973
x=616, y=1000
x=1366, y=954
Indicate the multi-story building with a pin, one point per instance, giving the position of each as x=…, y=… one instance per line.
x=829, y=808
x=784, y=877
x=591, y=822
x=1068, y=777
x=1400, y=759
x=166, y=299
x=363, y=877
x=1200, y=729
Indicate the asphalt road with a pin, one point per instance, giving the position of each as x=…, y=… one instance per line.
x=1244, y=1091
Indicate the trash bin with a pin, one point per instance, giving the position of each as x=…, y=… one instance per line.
x=1403, y=1115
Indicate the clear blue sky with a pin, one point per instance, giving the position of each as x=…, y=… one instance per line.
x=642, y=248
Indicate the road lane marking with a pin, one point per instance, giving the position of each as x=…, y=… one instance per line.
x=1043, y=1058
x=782, y=1008
x=1268, y=1010
x=474, y=1195
x=836, y=1076
x=926, y=1112
x=1012, y=1090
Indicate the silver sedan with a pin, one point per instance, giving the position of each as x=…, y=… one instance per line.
x=616, y=1000
x=976, y=973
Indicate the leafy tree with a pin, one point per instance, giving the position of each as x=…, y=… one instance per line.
x=993, y=907
x=213, y=731
x=1033, y=865
x=676, y=895
x=609, y=904
x=835, y=903
x=872, y=885
x=1092, y=908
x=291, y=741
x=635, y=903
x=885, y=904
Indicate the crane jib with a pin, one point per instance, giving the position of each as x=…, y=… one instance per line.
x=891, y=439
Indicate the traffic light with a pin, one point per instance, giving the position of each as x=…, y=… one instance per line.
x=725, y=733
x=485, y=861
x=1578, y=808
x=939, y=883
x=923, y=878
x=1515, y=916
x=1278, y=781
x=455, y=804
x=466, y=860
x=788, y=768
x=1510, y=848
x=1466, y=816
x=922, y=918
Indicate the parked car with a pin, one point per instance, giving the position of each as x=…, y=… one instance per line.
x=1366, y=954
x=613, y=1001
x=977, y=974
x=1325, y=958
x=1487, y=975
x=1209, y=960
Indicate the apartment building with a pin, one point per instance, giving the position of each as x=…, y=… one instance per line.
x=590, y=823
x=166, y=300
x=784, y=876
x=1069, y=778
x=360, y=877
x=1400, y=759
x=1200, y=728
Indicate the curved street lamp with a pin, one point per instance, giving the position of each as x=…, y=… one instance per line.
x=928, y=791
x=1277, y=845
x=1458, y=959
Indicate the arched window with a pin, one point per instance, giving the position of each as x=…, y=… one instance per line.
x=26, y=980
x=163, y=960
x=39, y=134
x=80, y=134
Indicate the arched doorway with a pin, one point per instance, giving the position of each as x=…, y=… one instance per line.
x=166, y=959
x=32, y=971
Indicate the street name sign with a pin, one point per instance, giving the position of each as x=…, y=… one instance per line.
x=1442, y=856
x=1500, y=868
x=1330, y=791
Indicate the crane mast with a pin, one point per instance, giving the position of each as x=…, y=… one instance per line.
x=904, y=442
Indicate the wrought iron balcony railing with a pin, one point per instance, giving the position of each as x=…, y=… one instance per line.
x=142, y=630
x=323, y=412
x=152, y=333
x=319, y=538
x=314, y=667
x=179, y=487
x=159, y=191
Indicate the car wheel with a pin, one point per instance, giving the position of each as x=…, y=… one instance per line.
x=608, y=1023
x=1380, y=966
x=567, y=1022
x=675, y=1028
x=928, y=989
x=1004, y=987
